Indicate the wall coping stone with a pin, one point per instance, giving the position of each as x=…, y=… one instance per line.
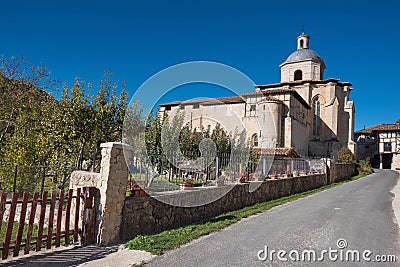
x=116, y=145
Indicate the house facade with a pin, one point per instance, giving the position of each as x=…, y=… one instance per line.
x=381, y=144
x=303, y=112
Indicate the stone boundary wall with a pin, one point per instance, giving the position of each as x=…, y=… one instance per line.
x=342, y=171
x=120, y=218
x=146, y=215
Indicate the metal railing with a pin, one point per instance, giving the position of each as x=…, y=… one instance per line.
x=168, y=173
x=34, y=178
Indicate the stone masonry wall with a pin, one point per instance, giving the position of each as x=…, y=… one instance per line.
x=396, y=162
x=341, y=171
x=120, y=218
x=146, y=215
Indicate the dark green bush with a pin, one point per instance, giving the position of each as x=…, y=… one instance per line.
x=345, y=155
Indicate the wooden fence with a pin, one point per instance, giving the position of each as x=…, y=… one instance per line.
x=52, y=220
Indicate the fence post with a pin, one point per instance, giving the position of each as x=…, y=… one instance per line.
x=264, y=165
x=88, y=216
x=216, y=170
x=43, y=176
x=15, y=178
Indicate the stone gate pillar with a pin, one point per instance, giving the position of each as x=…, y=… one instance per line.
x=112, y=187
x=111, y=183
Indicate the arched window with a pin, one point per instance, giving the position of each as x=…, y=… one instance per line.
x=301, y=43
x=298, y=75
x=254, y=140
x=316, y=118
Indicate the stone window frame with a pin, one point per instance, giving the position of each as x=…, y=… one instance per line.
x=317, y=103
x=298, y=75
x=254, y=140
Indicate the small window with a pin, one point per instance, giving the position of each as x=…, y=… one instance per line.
x=252, y=107
x=181, y=106
x=254, y=140
x=196, y=106
x=298, y=75
x=316, y=118
x=387, y=147
x=168, y=108
x=302, y=43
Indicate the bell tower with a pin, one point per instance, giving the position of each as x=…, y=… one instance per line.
x=302, y=64
x=302, y=41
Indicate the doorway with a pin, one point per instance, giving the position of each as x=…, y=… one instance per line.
x=387, y=161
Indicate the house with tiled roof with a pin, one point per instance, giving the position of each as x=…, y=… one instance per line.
x=381, y=144
x=303, y=115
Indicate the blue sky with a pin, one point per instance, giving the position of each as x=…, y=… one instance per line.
x=358, y=41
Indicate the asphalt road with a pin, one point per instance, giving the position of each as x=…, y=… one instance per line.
x=360, y=212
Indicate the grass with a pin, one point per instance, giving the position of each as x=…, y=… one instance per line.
x=34, y=234
x=160, y=243
x=15, y=229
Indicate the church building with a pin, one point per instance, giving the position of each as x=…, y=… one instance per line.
x=303, y=115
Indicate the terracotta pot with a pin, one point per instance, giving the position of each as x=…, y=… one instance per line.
x=186, y=186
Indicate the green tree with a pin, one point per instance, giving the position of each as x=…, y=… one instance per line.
x=85, y=121
x=25, y=111
x=221, y=139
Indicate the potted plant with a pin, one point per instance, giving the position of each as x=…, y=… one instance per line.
x=242, y=177
x=136, y=190
x=221, y=180
x=188, y=183
x=303, y=173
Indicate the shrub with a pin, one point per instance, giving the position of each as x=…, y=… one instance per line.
x=345, y=155
x=364, y=166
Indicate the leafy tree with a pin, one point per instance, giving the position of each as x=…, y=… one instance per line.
x=221, y=139
x=153, y=134
x=84, y=121
x=36, y=129
x=25, y=111
x=171, y=133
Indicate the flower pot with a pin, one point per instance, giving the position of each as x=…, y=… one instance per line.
x=139, y=192
x=186, y=186
x=221, y=182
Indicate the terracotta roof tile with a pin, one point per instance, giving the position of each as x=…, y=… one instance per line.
x=380, y=128
x=269, y=92
x=208, y=101
x=272, y=85
x=278, y=151
x=270, y=98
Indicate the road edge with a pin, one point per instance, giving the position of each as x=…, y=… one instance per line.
x=396, y=200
